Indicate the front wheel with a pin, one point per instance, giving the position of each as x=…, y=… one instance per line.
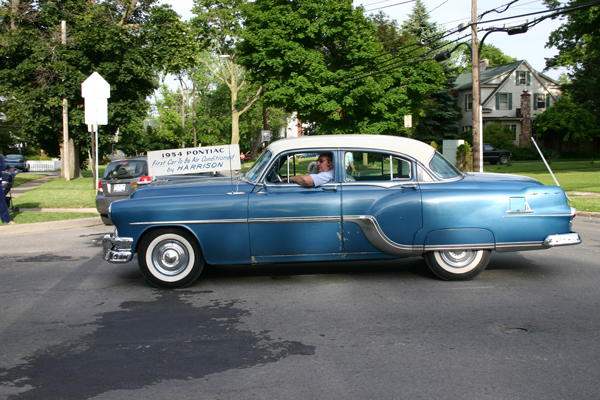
x=457, y=265
x=503, y=160
x=170, y=258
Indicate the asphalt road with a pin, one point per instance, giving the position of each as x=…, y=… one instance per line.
x=75, y=327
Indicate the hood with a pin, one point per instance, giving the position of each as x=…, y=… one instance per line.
x=190, y=187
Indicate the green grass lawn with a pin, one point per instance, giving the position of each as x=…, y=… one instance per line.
x=58, y=193
x=28, y=217
x=22, y=178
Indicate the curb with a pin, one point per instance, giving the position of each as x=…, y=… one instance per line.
x=49, y=226
x=588, y=214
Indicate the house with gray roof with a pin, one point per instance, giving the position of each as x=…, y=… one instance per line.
x=511, y=94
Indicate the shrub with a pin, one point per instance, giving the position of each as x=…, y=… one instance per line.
x=523, y=153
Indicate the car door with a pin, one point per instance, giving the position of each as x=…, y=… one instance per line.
x=381, y=205
x=288, y=222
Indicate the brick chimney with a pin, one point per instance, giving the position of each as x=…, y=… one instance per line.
x=525, y=136
x=483, y=64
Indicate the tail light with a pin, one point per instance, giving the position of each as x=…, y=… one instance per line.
x=100, y=190
x=143, y=180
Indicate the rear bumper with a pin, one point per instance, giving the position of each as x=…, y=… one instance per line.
x=565, y=239
x=117, y=249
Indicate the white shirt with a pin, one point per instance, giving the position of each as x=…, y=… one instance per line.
x=322, y=177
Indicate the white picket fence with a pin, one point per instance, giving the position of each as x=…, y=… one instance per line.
x=44, y=166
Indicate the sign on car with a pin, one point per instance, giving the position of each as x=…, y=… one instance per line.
x=194, y=159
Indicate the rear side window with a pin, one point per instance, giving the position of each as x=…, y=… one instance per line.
x=126, y=169
x=442, y=167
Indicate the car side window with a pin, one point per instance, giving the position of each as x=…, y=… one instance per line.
x=377, y=167
x=293, y=164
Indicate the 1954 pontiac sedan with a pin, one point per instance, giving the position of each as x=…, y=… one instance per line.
x=390, y=197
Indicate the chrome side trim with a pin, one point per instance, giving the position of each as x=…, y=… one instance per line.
x=193, y=222
x=518, y=246
x=287, y=220
x=535, y=215
x=377, y=238
x=243, y=221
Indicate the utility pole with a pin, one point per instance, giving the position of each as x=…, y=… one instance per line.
x=476, y=93
x=66, y=161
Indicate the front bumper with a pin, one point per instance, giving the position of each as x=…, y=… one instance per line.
x=117, y=249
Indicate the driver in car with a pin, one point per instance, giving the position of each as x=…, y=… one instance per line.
x=325, y=167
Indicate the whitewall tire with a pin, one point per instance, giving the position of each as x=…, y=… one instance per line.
x=170, y=258
x=457, y=265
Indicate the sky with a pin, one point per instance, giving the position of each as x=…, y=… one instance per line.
x=528, y=46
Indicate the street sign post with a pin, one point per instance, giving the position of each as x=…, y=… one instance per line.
x=408, y=123
x=95, y=92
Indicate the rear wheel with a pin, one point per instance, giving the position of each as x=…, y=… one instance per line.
x=170, y=258
x=493, y=162
x=457, y=265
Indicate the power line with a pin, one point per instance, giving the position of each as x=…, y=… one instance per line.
x=391, y=5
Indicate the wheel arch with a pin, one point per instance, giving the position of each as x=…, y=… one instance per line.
x=153, y=228
x=460, y=239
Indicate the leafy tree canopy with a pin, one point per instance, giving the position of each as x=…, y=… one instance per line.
x=318, y=57
x=569, y=119
x=578, y=44
x=121, y=40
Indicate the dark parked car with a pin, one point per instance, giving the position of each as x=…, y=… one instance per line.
x=16, y=161
x=122, y=177
x=494, y=155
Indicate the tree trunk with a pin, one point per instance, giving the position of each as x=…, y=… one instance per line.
x=14, y=8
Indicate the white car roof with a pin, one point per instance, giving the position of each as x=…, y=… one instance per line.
x=414, y=148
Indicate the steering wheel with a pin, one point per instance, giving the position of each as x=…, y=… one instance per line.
x=275, y=177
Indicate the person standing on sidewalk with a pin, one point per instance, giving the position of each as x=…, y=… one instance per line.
x=4, y=213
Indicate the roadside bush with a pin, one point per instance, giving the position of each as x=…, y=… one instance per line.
x=579, y=155
x=499, y=136
x=523, y=153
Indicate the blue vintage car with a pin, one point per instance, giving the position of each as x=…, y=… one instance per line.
x=402, y=199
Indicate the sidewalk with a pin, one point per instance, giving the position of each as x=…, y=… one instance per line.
x=52, y=225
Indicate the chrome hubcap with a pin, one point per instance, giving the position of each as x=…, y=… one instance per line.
x=458, y=259
x=170, y=257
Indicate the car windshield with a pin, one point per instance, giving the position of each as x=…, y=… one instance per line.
x=442, y=167
x=259, y=166
x=126, y=169
x=13, y=157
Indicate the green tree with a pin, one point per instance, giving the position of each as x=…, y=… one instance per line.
x=418, y=24
x=578, y=44
x=318, y=58
x=439, y=118
x=112, y=37
x=218, y=25
x=488, y=51
x=569, y=120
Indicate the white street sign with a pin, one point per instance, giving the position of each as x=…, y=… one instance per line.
x=95, y=92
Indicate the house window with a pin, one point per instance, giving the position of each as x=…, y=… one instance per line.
x=503, y=101
x=513, y=127
x=540, y=101
x=523, y=78
x=467, y=128
x=468, y=102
